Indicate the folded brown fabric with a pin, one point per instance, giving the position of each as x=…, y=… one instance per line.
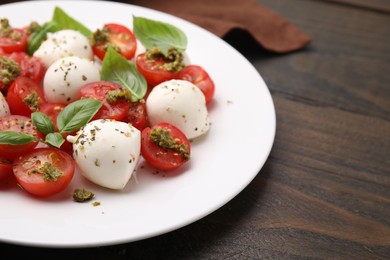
x=270, y=30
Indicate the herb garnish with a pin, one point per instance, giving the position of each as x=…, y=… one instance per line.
x=116, y=68
x=70, y=119
x=160, y=35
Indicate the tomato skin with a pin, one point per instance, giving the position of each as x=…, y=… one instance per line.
x=137, y=115
x=159, y=157
x=199, y=77
x=119, y=36
x=30, y=66
x=21, y=124
x=21, y=88
x=34, y=183
x=152, y=71
x=98, y=90
x=5, y=168
x=9, y=45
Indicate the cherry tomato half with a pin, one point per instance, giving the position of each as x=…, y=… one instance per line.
x=15, y=41
x=199, y=77
x=153, y=70
x=25, y=96
x=5, y=168
x=119, y=37
x=44, y=171
x=30, y=66
x=137, y=116
x=160, y=157
x=99, y=90
x=21, y=124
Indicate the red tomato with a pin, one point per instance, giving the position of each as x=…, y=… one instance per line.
x=160, y=157
x=25, y=96
x=5, y=168
x=30, y=66
x=137, y=116
x=52, y=110
x=21, y=124
x=99, y=90
x=120, y=37
x=15, y=41
x=199, y=77
x=44, y=171
x=153, y=71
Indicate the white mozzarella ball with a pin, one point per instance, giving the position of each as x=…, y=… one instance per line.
x=64, y=43
x=107, y=152
x=4, y=108
x=65, y=77
x=180, y=103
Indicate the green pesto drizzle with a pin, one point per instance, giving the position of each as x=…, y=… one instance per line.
x=32, y=101
x=81, y=195
x=163, y=138
x=102, y=37
x=49, y=172
x=116, y=94
x=5, y=28
x=173, y=59
x=10, y=70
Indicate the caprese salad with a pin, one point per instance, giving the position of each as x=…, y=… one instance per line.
x=96, y=101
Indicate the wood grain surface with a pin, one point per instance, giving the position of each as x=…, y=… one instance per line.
x=324, y=192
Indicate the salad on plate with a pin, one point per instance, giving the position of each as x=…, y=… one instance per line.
x=96, y=101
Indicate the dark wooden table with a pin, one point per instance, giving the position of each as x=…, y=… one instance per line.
x=324, y=191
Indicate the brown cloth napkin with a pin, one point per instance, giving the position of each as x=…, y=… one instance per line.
x=270, y=30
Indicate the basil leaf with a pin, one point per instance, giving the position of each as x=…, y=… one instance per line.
x=39, y=36
x=116, y=68
x=158, y=34
x=42, y=122
x=55, y=139
x=15, y=138
x=77, y=114
x=65, y=21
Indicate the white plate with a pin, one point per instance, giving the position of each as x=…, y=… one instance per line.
x=223, y=162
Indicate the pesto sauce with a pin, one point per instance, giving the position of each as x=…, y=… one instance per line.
x=114, y=95
x=174, y=59
x=50, y=173
x=81, y=195
x=99, y=37
x=163, y=138
x=5, y=28
x=32, y=101
x=33, y=27
x=10, y=70
x=102, y=37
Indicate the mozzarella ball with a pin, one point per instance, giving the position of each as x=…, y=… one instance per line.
x=180, y=103
x=107, y=152
x=4, y=108
x=65, y=77
x=64, y=43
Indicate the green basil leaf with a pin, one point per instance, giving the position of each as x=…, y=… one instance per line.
x=116, y=68
x=39, y=36
x=77, y=114
x=15, y=138
x=158, y=34
x=54, y=139
x=42, y=122
x=65, y=21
